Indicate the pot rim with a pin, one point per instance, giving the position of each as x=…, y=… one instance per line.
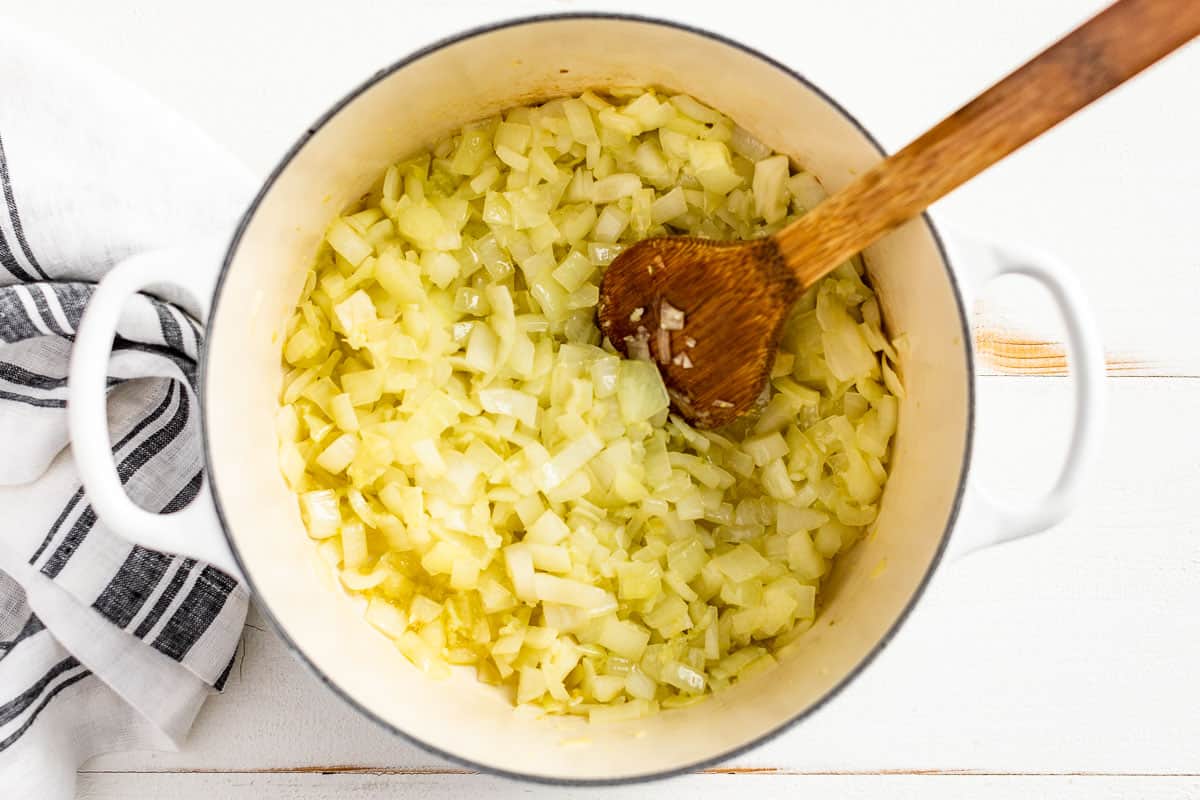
x=282, y=165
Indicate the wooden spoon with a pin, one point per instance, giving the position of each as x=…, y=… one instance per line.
x=735, y=296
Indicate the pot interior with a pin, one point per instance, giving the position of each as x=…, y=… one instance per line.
x=408, y=109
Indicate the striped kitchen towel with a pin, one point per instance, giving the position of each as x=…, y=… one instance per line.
x=103, y=645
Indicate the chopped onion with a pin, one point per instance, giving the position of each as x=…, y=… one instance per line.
x=638, y=347
x=320, y=512
x=670, y=318
x=614, y=187
x=548, y=588
x=770, y=188
x=744, y=144
x=662, y=345
x=338, y=455
x=506, y=491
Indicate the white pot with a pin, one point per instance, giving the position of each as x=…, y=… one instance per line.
x=406, y=108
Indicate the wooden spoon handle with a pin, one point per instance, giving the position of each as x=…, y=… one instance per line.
x=1107, y=50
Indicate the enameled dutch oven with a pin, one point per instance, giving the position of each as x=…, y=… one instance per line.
x=247, y=522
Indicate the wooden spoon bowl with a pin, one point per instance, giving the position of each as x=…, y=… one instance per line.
x=712, y=371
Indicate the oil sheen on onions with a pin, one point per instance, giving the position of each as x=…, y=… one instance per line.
x=509, y=495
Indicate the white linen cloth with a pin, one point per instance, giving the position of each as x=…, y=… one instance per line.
x=103, y=645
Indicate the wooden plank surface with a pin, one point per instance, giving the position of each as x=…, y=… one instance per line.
x=259, y=786
x=1062, y=666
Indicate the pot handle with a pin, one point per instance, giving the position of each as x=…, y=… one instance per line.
x=195, y=530
x=989, y=520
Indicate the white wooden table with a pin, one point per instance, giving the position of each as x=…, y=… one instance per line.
x=1062, y=666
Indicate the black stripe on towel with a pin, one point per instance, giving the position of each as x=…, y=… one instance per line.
x=9, y=262
x=32, y=627
x=219, y=684
x=73, y=297
x=38, y=402
x=149, y=419
x=172, y=335
x=164, y=600
x=11, y=202
x=43, y=309
x=15, y=324
x=142, y=572
x=10, y=710
x=19, y=376
x=186, y=495
x=23, y=377
x=19, y=732
x=186, y=365
x=198, y=337
x=195, y=614
x=126, y=469
x=125, y=595
x=66, y=512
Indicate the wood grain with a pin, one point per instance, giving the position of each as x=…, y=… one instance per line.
x=736, y=297
x=253, y=786
x=1092, y=60
x=1010, y=352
